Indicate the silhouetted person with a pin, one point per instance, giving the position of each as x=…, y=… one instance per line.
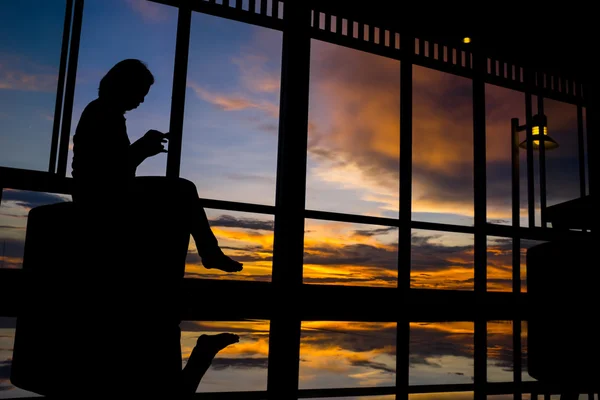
x=104, y=160
x=132, y=301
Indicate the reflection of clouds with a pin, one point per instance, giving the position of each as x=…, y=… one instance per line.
x=347, y=354
x=441, y=353
x=339, y=354
x=350, y=353
x=241, y=366
x=500, y=351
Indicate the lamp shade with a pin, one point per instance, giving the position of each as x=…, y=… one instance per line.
x=540, y=123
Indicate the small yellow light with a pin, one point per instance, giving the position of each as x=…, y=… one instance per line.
x=467, y=40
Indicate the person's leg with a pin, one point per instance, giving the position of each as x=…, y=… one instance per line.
x=200, y=359
x=181, y=195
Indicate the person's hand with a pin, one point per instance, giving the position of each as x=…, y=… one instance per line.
x=153, y=142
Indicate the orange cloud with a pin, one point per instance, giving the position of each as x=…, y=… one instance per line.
x=17, y=73
x=254, y=74
x=234, y=102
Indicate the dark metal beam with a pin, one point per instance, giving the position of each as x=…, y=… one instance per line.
x=60, y=89
x=254, y=300
x=480, y=199
x=182, y=48
x=405, y=217
x=70, y=89
x=288, y=242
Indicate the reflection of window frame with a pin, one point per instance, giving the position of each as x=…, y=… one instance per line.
x=290, y=212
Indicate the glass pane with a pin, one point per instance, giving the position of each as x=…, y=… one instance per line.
x=441, y=353
x=499, y=264
x=114, y=30
x=502, y=105
x=231, y=118
x=342, y=253
x=500, y=364
x=7, y=339
x=354, y=132
x=442, y=147
x=562, y=163
x=241, y=366
x=441, y=260
x=14, y=210
x=245, y=237
x=524, y=372
x=347, y=354
x=30, y=46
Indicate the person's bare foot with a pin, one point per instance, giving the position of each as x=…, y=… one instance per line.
x=220, y=261
x=215, y=343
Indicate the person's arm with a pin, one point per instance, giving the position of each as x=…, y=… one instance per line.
x=147, y=146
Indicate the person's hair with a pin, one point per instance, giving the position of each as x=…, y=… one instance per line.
x=125, y=74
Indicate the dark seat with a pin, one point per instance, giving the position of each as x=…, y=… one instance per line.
x=563, y=346
x=99, y=313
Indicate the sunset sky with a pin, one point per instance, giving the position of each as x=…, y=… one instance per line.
x=230, y=152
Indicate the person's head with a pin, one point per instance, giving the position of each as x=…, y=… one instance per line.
x=126, y=84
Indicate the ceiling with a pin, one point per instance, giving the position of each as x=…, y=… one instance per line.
x=557, y=38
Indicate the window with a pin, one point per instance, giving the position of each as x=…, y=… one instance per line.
x=499, y=264
x=500, y=363
x=441, y=353
x=115, y=30
x=354, y=132
x=441, y=260
x=231, y=120
x=14, y=210
x=350, y=254
x=442, y=147
x=30, y=50
x=246, y=237
x=355, y=246
x=241, y=366
x=562, y=163
x=347, y=354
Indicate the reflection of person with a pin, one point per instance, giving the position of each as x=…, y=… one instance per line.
x=207, y=347
x=104, y=159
